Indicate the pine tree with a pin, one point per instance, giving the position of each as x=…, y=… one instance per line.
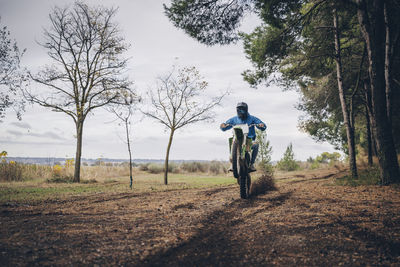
x=264, y=154
x=288, y=163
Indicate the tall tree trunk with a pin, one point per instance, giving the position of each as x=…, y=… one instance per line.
x=79, y=131
x=130, y=153
x=171, y=135
x=373, y=32
x=368, y=105
x=346, y=115
x=369, y=137
x=387, y=65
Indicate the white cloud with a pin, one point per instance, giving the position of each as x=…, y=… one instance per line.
x=14, y=133
x=23, y=125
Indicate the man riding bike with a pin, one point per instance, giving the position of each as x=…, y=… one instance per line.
x=243, y=117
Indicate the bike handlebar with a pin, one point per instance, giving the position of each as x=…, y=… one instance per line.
x=250, y=125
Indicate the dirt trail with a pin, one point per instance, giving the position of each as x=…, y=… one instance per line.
x=308, y=221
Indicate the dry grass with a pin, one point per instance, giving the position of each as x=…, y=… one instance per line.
x=103, y=172
x=14, y=171
x=64, y=173
x=57, y=173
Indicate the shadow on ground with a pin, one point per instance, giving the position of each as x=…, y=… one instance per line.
x=219, y=241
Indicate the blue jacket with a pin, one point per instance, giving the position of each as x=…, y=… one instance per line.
x=250, y=120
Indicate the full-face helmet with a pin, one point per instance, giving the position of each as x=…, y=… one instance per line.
x=242, y=110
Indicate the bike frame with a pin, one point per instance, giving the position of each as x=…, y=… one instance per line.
x=240, y=133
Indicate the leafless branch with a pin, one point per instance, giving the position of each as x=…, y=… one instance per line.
x=177, y=100
x=86, y=47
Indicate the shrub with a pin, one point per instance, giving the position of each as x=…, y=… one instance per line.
x=327, y=157
x=265, y=149
x=158, y=167
x=369, y=176
x=144, y=167
x=266, y=168
x=323, y=160
x=315, y=165
x=155, y=168
x=58, y=171
x=62, y=174
x=288, y=163
x=216, y=167
x=265, y=152
x=188, y=167
x=69, y=163
x=195, y=166
x=126, y=164
x=173, y=167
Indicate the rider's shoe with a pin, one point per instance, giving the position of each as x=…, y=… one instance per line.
x=252, y=168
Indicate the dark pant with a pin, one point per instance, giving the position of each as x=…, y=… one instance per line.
x=254, y=153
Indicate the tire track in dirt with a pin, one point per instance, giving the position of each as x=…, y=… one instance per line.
x=217, y=242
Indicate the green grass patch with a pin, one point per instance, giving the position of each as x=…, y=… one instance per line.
x=28, y=194
x=41, y=190
x=369, y=176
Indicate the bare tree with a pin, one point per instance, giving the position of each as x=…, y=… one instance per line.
x=124, y=114
x=11, y=76
x=177, y=102
x=86, y=47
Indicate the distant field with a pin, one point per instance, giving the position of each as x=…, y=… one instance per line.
x=37, y=190
x=40, y=189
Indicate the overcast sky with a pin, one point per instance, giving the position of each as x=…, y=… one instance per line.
x=155, y=46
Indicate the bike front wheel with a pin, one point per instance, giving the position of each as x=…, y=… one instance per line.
x=236, y=159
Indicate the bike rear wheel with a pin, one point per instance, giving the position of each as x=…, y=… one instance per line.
x=244, y=186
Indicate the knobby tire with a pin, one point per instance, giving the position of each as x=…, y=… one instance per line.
x=235, y=159
x=241, y=172
x=245, y=179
